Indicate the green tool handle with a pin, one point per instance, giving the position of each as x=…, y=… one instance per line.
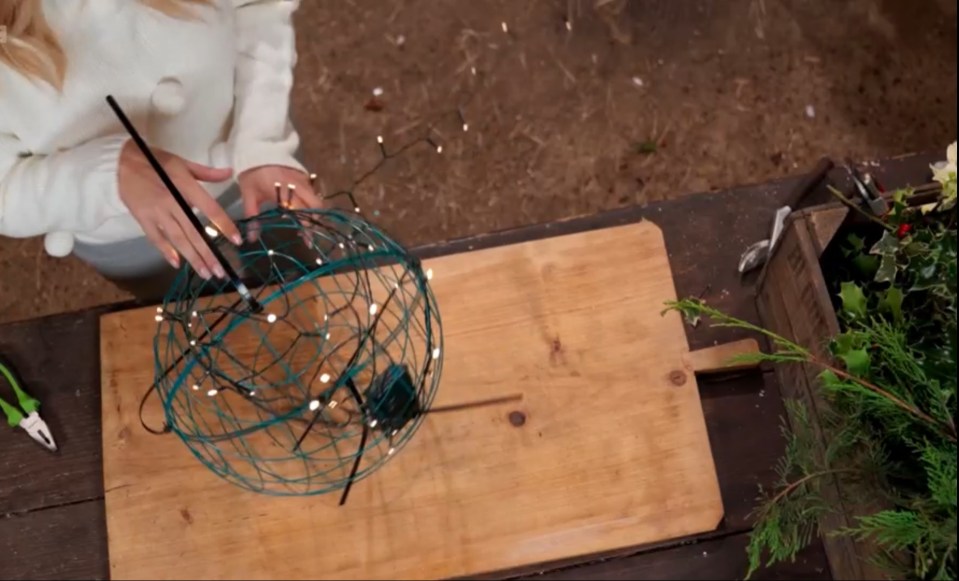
x=27, y=403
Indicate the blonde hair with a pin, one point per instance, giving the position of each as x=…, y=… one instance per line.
x=31, y=47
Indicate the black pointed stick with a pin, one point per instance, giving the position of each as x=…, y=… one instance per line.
x=165, y=178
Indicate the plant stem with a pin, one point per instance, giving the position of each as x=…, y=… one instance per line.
x=856, y=208
x=950, y=429
x=796, y=484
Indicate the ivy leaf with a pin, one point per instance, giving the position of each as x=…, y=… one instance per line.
x=857, y=362
x=853, y=300
x=888, y=245
x=887, y=269
x=891, y=302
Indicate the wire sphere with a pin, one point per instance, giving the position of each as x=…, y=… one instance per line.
x=324, y=384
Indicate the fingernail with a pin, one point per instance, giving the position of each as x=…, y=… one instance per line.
x=205, y=273
x=237, y=240
x=220, y=273
x=174, y=261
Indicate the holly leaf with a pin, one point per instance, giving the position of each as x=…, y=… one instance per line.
x=891, y=303
x=845, y=342
x=853, y=300
x=887, y=268
x=856, y=244
x=857, y=362
x=866, y=264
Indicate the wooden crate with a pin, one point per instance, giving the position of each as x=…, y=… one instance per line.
x=793, y=301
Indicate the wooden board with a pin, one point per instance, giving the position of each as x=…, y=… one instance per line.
x=613, y=453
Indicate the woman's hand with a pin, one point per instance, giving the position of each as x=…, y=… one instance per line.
x=158, y=213
x=258, y=187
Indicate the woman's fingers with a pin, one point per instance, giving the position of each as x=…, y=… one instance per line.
x=156, y=237
x=181, y=234
x=205, y=173
x=251, y=207
x=200, y=199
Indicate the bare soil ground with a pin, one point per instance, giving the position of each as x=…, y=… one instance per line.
x=634, y=101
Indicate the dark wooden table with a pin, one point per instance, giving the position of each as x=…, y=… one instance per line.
x=52, y=523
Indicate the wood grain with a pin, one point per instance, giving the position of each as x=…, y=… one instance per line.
x=56, y=358
x=614, y=451
x=721, y=358
x=66, y=542
x=722, y=558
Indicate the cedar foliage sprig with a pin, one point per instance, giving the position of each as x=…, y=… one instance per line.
x=889, y=435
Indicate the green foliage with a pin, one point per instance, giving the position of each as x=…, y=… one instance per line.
x=889, y=433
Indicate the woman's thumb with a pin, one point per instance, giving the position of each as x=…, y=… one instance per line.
x=206, y=173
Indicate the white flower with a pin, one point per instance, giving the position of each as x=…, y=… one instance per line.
x=945, y=171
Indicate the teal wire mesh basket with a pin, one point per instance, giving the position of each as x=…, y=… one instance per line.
x=327, y=382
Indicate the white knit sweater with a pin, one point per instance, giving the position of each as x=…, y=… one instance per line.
x=214, y=91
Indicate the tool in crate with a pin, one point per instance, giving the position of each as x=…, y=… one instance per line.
x=759, y=252
x=25, y=416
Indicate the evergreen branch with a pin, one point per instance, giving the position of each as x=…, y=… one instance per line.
x=694, y=308
x=797, y=483
x=949, y=428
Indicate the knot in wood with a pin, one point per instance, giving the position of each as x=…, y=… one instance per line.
x=517, y=418
x=678, y=377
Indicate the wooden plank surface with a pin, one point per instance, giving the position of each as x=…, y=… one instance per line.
x=65, y=542
x=722, y=558
x=704, y=236
x=614, y=450
x=57, y=361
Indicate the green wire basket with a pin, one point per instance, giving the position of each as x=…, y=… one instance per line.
x=327, y=382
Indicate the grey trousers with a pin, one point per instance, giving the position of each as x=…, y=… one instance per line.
x=136, y=266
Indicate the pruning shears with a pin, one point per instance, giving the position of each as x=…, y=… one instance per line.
x=25, y=416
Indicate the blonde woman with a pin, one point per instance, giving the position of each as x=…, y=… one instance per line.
x=207, y=84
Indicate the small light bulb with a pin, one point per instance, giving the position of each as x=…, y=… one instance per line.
x=371, y=248
x=252, y=392
x=356, y=209
x=466, y=127
x=193, y=342
x=269, y=252
x=391, y=451
x=314, y=405
x=569, y=25
x=373, y=424
x=194, y=314
x=505, y=28
x=373, y=309
x=439, y=149
x=196, y=387
x=436, y=353
x=159, y=309
x=319, y=262
x=211, y=232
x=326, y=317
x=342, y=245
x=325, y=378
x=333, y=404
x=379, y=139
x=212, y=392
x=158, y=318
x=378, y=91
x=327, y=337
x=312, y=177
x=429, y=274
x=473, y=70
x=271, y=318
